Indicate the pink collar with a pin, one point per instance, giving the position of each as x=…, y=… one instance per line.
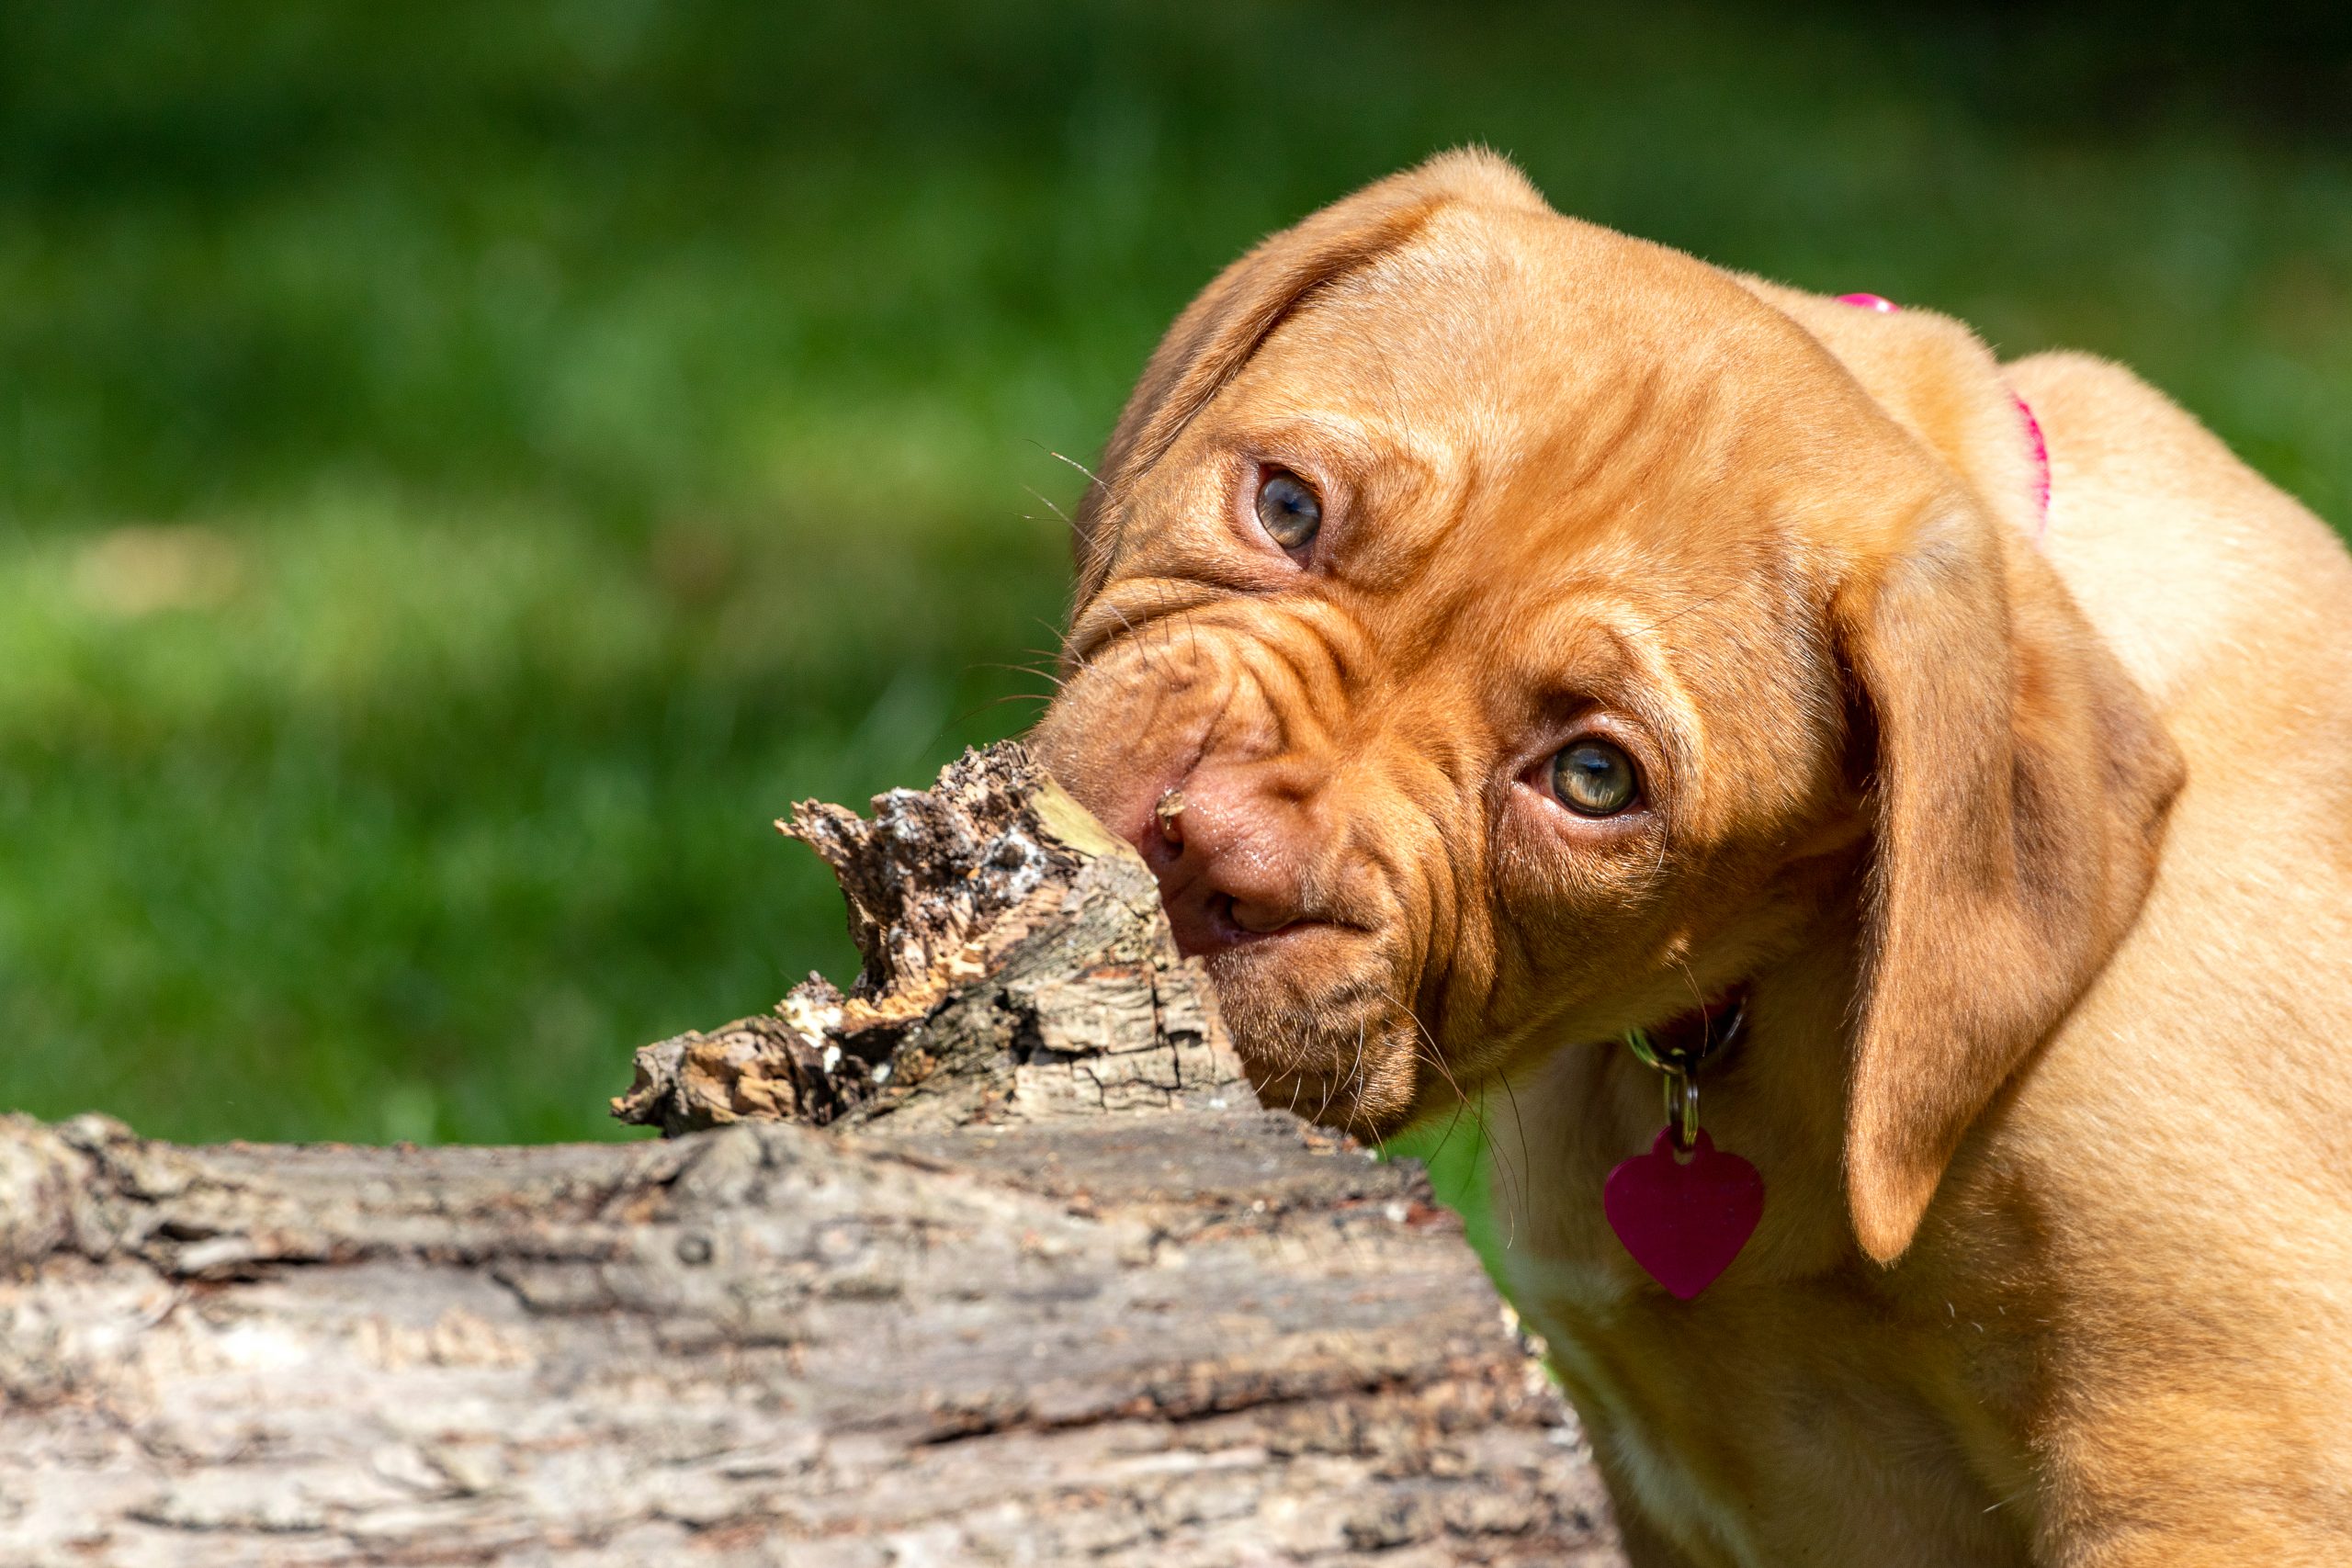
x=2040, y=448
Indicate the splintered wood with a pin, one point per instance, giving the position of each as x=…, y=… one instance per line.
x=1016, y=964
x=1046, y=1286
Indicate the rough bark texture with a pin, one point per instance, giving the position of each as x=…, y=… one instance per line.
x=1016, y=965
x=1050, y=1288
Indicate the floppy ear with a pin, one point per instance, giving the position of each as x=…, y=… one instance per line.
x=2020, y=784
x=1222, y=328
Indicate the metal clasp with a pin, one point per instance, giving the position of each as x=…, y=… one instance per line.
x=1682, y=1112
x=1679, y=1070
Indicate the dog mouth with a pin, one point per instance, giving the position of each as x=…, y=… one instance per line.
x=1216, y=929
x=1222, y=930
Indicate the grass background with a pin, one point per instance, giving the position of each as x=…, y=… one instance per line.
x=464, y=468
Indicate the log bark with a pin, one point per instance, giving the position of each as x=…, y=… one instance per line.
x=992, y=1260
x=1015, y=966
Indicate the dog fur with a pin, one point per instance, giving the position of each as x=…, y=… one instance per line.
x=2030, y=844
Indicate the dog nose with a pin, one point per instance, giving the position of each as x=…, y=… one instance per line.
x=1230, y=853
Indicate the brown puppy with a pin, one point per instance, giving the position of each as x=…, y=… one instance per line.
x=1500, y=634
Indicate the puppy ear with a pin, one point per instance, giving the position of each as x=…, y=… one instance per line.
x=1936, y=378
x=1222, y=328
x=2021, y=783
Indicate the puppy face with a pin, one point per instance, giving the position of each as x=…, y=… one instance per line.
x=1459, y=668
x=1475, y=613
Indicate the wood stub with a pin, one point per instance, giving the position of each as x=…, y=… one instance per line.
x=1015, y=965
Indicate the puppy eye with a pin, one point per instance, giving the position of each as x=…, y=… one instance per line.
x=1593, y=778
x=1288, y=511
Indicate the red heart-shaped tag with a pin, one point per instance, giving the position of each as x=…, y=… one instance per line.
x=1684, y=1220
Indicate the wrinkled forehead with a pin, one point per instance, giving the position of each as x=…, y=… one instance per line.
x=1519, y=381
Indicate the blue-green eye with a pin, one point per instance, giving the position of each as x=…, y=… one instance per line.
x=1287, y=510
x=1593, y=778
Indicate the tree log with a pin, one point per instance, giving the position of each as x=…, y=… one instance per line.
x=992, y=1260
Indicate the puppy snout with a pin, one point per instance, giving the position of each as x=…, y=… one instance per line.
x=1231, y=854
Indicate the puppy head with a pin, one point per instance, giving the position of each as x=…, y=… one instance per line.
x=1497, y=633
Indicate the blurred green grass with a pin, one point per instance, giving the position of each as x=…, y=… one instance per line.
x=463, y=470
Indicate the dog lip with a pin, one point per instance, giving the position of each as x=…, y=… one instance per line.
x=1217, y=930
